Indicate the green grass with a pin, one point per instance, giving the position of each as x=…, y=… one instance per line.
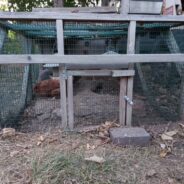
x=60, y=168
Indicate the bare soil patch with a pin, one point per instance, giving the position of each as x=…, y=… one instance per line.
x=59, y=157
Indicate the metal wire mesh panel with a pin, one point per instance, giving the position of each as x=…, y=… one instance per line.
x=26, y=98
x=14, y=86
x=95, y=37
x=161, y=84
x=157, y=93
x=157, y=38
x=96, y=100
x=27, y=37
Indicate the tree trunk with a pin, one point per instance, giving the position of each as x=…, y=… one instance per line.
x=58, y=3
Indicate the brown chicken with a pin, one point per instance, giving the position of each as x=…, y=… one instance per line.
x=48, y=88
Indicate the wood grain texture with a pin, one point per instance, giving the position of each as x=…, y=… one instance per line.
x=122, y=102
x=92, y=59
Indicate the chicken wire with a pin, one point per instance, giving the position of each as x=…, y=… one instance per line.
x=95, y=37
x=157, y=87
x=161, y=83
x=23, y=37
x=96, y=100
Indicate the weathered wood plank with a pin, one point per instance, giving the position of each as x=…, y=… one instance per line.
x=131, y=37
x=96, y=67
x=93, y=59
x=122, y=102
x=129, y=106
x=78, y=10
x=63, y=99
x=70, y=102
x=114, y=73
x=130, y=50
x=125, y=7
x=123, y=73
x=145, y=7
x=88, y=16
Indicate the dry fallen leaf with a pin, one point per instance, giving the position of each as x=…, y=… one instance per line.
x=39, y=143
x=171, y=133
x=90, y=147
x=151, y=173
x=165, y=152
x=101, y=135
x=13, y=153
x=41, y=138
x=181, y=125
x=163, y=146
x=96, y=159
x=171, y=181
x=8, y=132
x=166, y=137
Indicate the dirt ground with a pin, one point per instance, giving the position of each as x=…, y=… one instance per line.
x=58, y=157
x=41, y=153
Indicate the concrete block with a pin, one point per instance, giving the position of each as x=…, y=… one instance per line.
x=130, y=136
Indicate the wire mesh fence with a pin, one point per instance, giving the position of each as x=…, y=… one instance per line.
x=96, y=99
x=28, y=99
x=27, y=37
x=95, y=37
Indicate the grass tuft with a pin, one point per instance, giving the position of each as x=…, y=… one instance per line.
x=60, y=168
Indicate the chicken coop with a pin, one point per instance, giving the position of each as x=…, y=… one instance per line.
x=88, y=59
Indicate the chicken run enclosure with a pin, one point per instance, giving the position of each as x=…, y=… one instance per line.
x=66, y=70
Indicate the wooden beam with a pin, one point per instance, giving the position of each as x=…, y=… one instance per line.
x=114, y=73
x=123, y=73
x=89, y=16
x=70, y=102
x=78, y=10
x=130, y=50
x=122, y=102
x=95, y=66
x=131, y=38
x=88, y=60
x=125, y=7
x=129, y=106
x=60, y=46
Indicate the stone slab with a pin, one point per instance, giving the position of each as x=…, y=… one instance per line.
x=130, y=136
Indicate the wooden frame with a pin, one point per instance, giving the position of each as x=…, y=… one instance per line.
x=66, y=77
x=63, y=99
x=77, y=9
x=92, y=59
x=124, y=75
x=88, y=16
x=130, y=50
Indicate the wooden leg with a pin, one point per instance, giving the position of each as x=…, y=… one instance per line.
x=70, y=102
x=122, y=102
x=129, y=106
x=63, y=98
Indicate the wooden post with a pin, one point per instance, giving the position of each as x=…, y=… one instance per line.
x=122, y=102
x=60, y=46
x=70, y=102
x=130, y=50
x=125, y=4
x=129, y=106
